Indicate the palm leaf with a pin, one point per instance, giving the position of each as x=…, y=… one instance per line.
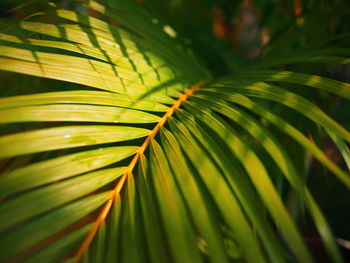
x=131, y=151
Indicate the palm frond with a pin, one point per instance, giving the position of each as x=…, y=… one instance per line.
x=131, y=151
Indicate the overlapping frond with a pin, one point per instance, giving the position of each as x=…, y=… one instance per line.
x=139, y=156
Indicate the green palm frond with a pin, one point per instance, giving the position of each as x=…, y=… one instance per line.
x=122, y=147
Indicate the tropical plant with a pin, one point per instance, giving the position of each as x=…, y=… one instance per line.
x=120, y=145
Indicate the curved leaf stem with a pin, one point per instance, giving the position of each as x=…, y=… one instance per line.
x=105, y=210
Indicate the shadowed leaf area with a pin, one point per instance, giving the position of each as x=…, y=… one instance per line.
x=156, y=131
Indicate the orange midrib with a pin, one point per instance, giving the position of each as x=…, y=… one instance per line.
x=105, y=210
